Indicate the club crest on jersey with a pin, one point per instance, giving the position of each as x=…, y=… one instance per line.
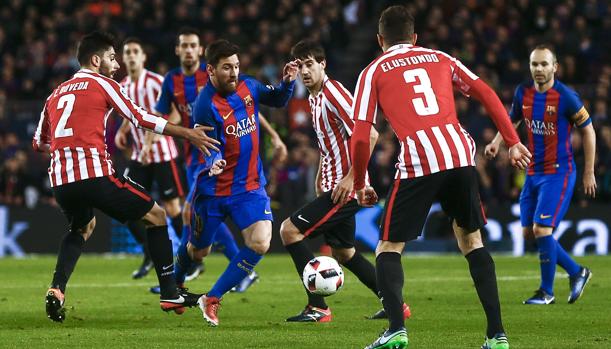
x=248, y=101
x=551, y=109
x=242, y=127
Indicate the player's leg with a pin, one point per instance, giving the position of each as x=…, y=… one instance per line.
x=168, y=177
x=142, y=177
x=205, y=217
x=251, y=212
x=553, y=202
x=124, y=201
x=405, y=211
x=81, y=225
x=342, y=249
x=293, y=240
x=309, y=221
x=459, y=198
x=225, y=242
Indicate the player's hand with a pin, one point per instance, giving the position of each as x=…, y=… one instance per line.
x=343, y=190
x=519, y=156
x=217, y=168
x=289, y=73
x=121, y=140
x=366, y=197
x=491, y=150
x=198, y=137
x=589, y=184
x=145, y=156
x=280, y=150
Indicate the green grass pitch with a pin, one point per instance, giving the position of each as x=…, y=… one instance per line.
x=106, y=309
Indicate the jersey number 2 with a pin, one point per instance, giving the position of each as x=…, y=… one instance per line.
x=428, y=105
x=67, y=103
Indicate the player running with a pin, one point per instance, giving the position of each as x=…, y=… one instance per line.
x=153, y=157
x=413, y=86
x=549, y=108
x=72, y=128
x=180, y=88
x=230, y=104
x=331, y=214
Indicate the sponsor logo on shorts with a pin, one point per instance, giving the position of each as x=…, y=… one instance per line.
x=303, y=219
x=545, y=216
x=267, y=212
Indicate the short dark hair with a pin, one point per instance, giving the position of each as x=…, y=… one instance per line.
x=188, y=31
x=548, y=47
x=308, y=48
x=396, y=25
x=93, y=43
x=219, y=49
x=133, y=40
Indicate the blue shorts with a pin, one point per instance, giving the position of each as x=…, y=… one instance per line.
x=244, y=209
x=546, y=198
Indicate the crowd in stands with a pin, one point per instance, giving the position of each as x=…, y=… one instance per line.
x=492, y=37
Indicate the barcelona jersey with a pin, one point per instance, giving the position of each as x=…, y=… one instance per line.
x=182, y=90
x=235, y=118
x=549, y=117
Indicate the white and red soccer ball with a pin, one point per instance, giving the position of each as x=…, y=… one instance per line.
x=323, y=276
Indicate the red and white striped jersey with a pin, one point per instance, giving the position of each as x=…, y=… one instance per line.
x=145, y=92
x=413, y=86
x=73, y=124
x=333, y=123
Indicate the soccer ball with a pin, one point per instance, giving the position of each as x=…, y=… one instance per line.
x=323, y=276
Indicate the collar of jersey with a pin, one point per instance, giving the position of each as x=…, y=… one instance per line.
x=398, y=46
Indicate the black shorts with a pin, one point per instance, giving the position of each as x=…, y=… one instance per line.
x=118, y=198
x=335, y=221
x=409, y=201
x=166, y=174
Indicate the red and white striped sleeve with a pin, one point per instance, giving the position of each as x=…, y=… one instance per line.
x=41, y=140
x=365, y=105
x=117, y=97
x=341, y=100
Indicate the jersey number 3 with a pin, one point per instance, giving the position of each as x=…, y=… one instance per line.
x=428, y=105
x=67, y=103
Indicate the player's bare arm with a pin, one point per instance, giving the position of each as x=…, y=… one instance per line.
x=121, y=136
x=589, y=148
x=345, y=187
x=492, y=148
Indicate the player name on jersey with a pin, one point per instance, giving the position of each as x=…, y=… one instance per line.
x=406, y=61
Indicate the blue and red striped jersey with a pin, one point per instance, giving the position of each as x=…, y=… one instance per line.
x=182, y=90
x=235, y=118
x=549, y=117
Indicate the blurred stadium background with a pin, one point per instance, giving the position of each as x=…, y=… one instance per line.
x=493, y=38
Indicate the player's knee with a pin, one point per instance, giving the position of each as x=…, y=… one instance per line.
x=343, y=255
x=389, y=246
x=469, y=242
x=540, y=231
x=156, y=216
x=528, y=233
x=259, y=246
x=198, y=254
x=172, y=208
x=87, y=230
x=289, y=233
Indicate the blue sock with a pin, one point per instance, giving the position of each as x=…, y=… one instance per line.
x=547, y=257
x=225, y=241
x=182, y=264
x=240, y=266
x=565, y=261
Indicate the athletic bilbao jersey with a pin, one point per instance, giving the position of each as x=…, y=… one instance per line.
x=333, y=123
x=235, y=119
x=414, y=88
x=548, y=117
x=73, y=124
x=182, y=90
x=144, y=92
